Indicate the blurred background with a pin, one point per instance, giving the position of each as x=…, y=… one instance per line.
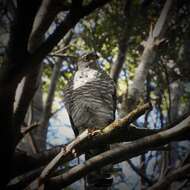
x=144, y=45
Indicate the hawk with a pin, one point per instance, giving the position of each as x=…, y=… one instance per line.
x=90, y=100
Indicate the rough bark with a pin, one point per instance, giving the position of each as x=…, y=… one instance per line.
x=126, y=134
x=114, y=132
x=89, y=140
x=8, y=82
x=120, y=153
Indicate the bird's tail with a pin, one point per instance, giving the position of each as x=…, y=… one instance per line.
x=100, y=179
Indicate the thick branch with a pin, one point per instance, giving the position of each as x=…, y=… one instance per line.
x=30, y=85
x=69, y=22
x=119, y=154
x=9, y=80
x=90, y=139
x=85, y=141
x=46, y=14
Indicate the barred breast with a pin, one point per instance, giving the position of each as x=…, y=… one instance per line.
x=90, y=99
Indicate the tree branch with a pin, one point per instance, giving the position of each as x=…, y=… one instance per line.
x=91, y=138
x=126, y=134
x=69, y=22
x=46, y=14
x=9, y=79
x=139, y=172
x=177, y=174
x=30, y=84
x=119, y=154
x=88, y=139
x=27, y=129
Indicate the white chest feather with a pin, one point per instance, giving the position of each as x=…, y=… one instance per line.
x=84, y=76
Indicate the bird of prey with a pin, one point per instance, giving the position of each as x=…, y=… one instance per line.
x=90, y=100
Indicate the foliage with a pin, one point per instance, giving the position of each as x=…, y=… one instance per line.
x=168, y=79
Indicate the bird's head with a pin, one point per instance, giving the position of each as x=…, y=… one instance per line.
x=88, y=61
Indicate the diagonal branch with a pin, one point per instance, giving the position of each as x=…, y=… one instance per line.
x=119, y=154
x=29, y=128
x=126, y=134
x=30, y=85
x=69, y=22
x=89, y=139
x=92, y=138
x=44, y=18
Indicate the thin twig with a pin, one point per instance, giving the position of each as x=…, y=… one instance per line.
x=29, y=128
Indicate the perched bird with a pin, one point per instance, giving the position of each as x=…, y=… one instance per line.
x=90, y=100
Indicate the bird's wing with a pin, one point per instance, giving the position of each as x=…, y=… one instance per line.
x=114, y=96
x=75, y=129
x=111, y=90
x=67, y=93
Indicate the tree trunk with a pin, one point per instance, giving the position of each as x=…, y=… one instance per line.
x=136, y=89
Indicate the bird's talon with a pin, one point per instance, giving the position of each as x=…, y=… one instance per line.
x=97, y=132
x=74, y=152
